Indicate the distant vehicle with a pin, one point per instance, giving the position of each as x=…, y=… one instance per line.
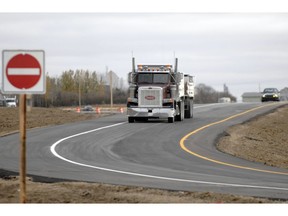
x=10, y=102
x=88, y=108
x=224, y=100
x=2, y=103
x=270, y=94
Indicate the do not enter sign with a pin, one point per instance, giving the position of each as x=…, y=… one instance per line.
x=23, y=72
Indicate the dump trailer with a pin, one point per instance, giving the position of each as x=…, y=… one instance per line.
x=159, y=92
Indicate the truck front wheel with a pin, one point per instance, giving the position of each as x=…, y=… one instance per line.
x=130, y=119
x=170, y=119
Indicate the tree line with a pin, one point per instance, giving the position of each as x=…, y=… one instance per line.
x=206, y=94
x=83, y=87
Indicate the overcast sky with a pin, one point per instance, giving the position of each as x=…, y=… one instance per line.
x=242, y=50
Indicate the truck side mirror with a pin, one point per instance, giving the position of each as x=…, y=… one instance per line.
x=131, y=77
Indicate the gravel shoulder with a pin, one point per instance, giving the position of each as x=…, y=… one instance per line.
x=263, y=139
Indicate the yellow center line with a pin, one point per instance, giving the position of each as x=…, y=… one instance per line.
x=182, y=143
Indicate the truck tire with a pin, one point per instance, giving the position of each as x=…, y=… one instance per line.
x=170, y=119
x=130, y=119
x=189, y=110
x=182, y=110
x=180, y=116
x=188, y=113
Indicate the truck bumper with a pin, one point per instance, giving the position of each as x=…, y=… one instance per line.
x=160, y=113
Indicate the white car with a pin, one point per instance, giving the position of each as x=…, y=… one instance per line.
x=10, y=101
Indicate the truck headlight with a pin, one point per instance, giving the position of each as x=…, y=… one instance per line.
x=133, y=100
x=168, y=100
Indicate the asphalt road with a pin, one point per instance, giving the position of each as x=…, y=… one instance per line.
x=156, y=154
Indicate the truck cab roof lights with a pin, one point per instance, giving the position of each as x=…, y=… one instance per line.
x=154, y=67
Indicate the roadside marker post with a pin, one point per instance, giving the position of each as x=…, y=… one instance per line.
x=98, y=110
x=23, y=73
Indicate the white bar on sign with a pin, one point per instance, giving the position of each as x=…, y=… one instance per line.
x=23, y=71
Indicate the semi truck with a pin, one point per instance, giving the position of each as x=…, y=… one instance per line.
x=159, y=92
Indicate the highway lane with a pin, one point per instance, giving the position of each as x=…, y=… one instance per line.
x=149, y=154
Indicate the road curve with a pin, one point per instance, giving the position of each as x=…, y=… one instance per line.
x=178, y=156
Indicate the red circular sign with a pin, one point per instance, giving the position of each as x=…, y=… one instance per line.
x=23, y=71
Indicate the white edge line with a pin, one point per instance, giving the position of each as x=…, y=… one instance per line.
x=52, y=149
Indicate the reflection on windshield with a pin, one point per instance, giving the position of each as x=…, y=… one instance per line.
x=145, y=78
x=149, y=78
x=271, y=90
x=160, y=78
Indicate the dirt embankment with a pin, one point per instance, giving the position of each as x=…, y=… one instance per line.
x=81, y=192
x=39, y=117
x=264, y=139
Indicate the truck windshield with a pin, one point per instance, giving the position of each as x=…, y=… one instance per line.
x=149, y=78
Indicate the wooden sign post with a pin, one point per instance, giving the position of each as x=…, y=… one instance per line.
x=22, y=126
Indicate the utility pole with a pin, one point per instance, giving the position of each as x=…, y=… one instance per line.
x=111, y=90
x=79, y=91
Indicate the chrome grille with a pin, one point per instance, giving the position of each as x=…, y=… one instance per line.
x=150, y=97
